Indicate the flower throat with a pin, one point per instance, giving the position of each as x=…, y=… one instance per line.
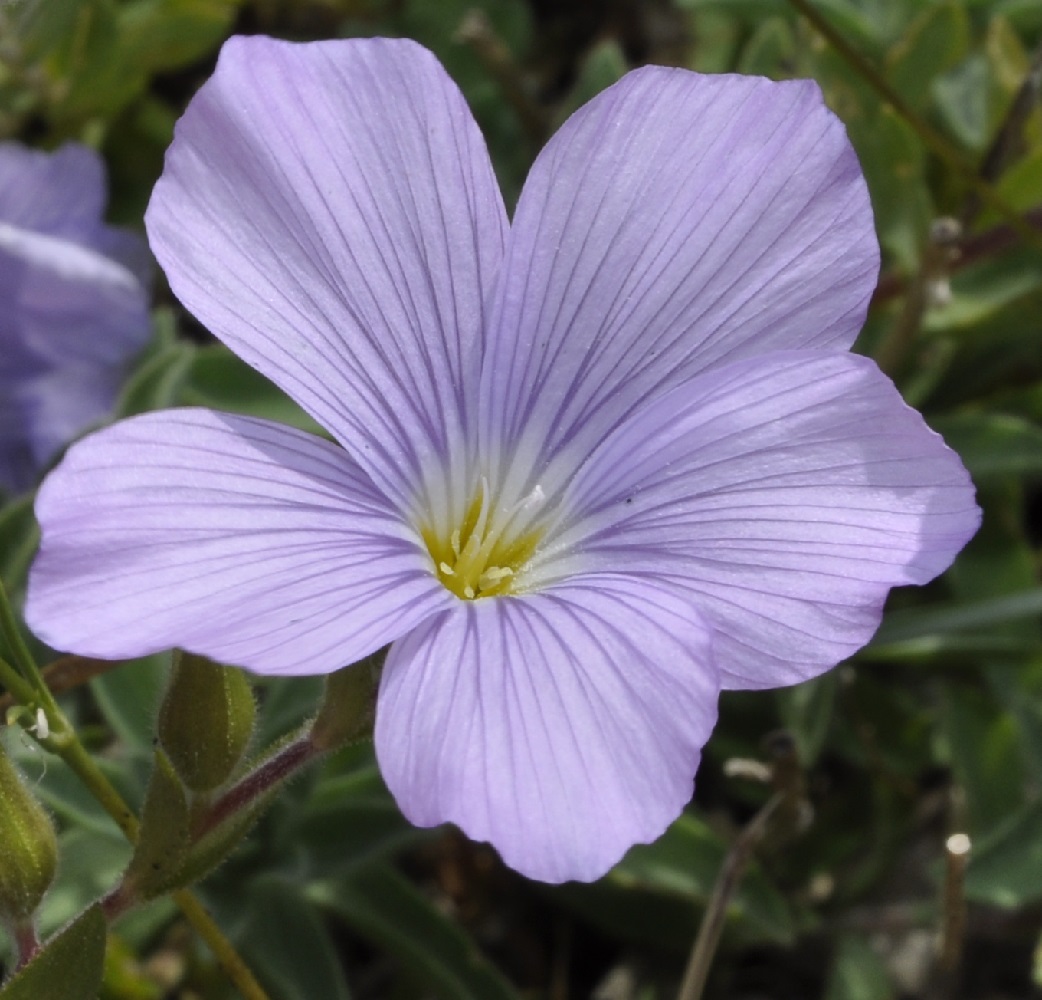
x=483, y=556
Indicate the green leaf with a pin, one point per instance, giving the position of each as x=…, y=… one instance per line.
x=43, y=27
x=288, y=944
x=90, y=865
x=993, y=444
x=858, y=973
x=18, y=539
x=219, y=379
x=962, y=97
x=894, y=164
x=68, y=967
x=922, y=623
x=157, y=383
x=1005, y=865
x=350, y=819
x=96, y=77
x=771, y=46
x=935, y=42
x=984, y=749
x=655, y=896
x=686, y=860
x=806, y=712
x=391, y=912
x=163, y=35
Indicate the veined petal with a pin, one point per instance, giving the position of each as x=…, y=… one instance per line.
x=243, y=540
x=675, y=222
x=563, y=726
x=788, y=494
x=329, y=211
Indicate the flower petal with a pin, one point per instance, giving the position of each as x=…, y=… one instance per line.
x=563, y=726
x=60, y=193
x=232, y=537
x=675, y=222
x=788, y=493
x=329, y=211
x=65, y=303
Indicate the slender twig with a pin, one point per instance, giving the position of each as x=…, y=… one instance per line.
x=953, y=927
x=930, y=136
x=727, y=882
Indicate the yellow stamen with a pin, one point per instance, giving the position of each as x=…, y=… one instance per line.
x=484, y=555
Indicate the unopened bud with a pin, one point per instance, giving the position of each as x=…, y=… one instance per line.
x=206, y=720
x=348, y=706
x=28, y=847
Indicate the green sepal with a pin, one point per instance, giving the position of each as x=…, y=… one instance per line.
x=217, y=844
x=68, y=967
x=201, y=853
x=206, y=720
x=165, y=835
x=28, y=846
x=348, y=705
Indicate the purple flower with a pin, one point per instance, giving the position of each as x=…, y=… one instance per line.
x=73, y=304
x=591, y=466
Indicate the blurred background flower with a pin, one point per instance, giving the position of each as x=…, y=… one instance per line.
x=74, y=297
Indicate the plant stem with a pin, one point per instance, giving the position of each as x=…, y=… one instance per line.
x=930, y=136
x=228, y=958
x=275, y=769
x=727, y=882
x=64, y=741
x=17, y=686
x=26, y=941
x=24, y=659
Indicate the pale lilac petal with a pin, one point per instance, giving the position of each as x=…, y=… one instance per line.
x=62, y=403
x=675, y=222
x=71, y=320
x=788, y=493
x=60, y=193
x=65, y=303
x=243, y=540
x=329, y=211
x=562, y=727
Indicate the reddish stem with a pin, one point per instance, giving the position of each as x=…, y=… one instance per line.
x=273, y=771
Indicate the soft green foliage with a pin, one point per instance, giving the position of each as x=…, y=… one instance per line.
x=68, y=968
x=936, y=727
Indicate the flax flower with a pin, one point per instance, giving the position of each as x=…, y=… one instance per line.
x=589, y=466
x=73, y=304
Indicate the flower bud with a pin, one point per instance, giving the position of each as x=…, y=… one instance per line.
x=348, y=705
x=206, y=720
x=28, y=847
